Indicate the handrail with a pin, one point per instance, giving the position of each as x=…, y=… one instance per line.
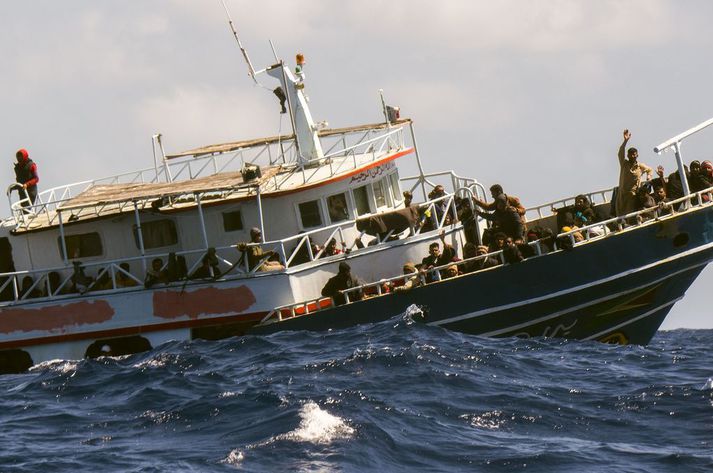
x=681, y=136
x=620, y=220
x=50, y=199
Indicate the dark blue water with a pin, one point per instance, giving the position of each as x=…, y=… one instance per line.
x=396, y=396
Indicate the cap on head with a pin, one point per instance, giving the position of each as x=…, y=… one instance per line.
x=409, y=267
x=344, y=267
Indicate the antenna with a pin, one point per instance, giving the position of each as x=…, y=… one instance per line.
x=251, y=70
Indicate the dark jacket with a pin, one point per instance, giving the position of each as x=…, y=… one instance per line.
x=507, y=221
x=340, y=282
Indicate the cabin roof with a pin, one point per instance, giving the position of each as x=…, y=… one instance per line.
x=103, y=194
x=236, y=145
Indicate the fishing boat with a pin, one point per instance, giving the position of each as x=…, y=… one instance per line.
x=223, y=239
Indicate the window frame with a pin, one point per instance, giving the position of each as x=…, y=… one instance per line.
x=385, y=188
x=369, y=199
x=350, y=213
x=396, y=191
x=242, y=221
x=134, y=234
x=321, y=207
x=102, y=254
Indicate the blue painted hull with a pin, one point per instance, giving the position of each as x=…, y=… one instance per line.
x=617, y=289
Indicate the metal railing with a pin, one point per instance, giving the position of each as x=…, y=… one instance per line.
x=356, y=148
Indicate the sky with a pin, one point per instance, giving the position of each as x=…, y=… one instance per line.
x=533, y=95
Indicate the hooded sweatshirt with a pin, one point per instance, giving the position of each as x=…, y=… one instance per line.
x=26, y=170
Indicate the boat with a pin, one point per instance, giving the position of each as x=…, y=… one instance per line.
x=121, y=264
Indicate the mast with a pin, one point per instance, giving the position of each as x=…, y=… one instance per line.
x=309, y=147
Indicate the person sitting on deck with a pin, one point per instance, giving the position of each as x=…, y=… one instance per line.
x=412, y=278
x=209, y=266
x=155, y=274
x=408, y=198
x=451, y=271
x=331, y=249
x=342, y=281
x=661, y=200
x=495, y=191
x=25, y=291
x=255, y=254
x=80, y=281
x=699, y=179
x=122, y=280
x=436, y=257
x=645, y=201
x=505, y=218
x=629, y=177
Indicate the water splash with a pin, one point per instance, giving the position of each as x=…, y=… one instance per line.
x=318, y=426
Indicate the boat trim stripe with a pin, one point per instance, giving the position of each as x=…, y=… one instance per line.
x=585, y=286
x=635, y=319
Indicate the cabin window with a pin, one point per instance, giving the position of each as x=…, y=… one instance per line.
x=84, y=245
x=156, y=234
x=380, y=193
x=395, y=189
x=337, y=206
x=361, y=200
x=310, y=214
x=232, y=221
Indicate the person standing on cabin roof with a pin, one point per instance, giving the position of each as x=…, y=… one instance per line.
x=629, y=178
x=26, y=174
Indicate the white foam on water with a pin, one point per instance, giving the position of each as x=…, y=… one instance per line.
x=318, y=426
x=709, y=385
x=412, y=311
x=59, y=366
x=235, y=457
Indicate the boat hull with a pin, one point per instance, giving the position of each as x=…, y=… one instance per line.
x=617, y=289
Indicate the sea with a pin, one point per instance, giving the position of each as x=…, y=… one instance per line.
x=393, y=396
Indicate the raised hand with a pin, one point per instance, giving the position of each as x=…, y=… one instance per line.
x=627, y=135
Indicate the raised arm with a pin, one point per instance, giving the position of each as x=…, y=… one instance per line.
x=622, y=148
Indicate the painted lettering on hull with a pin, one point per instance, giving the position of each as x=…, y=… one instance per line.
x=206, y=301
x=55, y=318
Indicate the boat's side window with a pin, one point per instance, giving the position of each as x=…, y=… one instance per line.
x=380, y=193
x=361, y=200
x=84, y=245
x=395, y=189
x=310, y=214
x=232, y=221
x=337, y=207
x=156, y=234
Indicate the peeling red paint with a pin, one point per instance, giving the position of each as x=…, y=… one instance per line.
x=207, y=301
x=56, y=317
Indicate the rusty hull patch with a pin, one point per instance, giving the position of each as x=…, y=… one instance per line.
x=206, y=301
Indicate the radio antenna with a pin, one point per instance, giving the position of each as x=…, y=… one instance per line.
x=251, y=70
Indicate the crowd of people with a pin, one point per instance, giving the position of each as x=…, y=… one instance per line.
x=508, y=233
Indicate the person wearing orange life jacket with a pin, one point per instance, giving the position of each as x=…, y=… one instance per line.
x=26, y=174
